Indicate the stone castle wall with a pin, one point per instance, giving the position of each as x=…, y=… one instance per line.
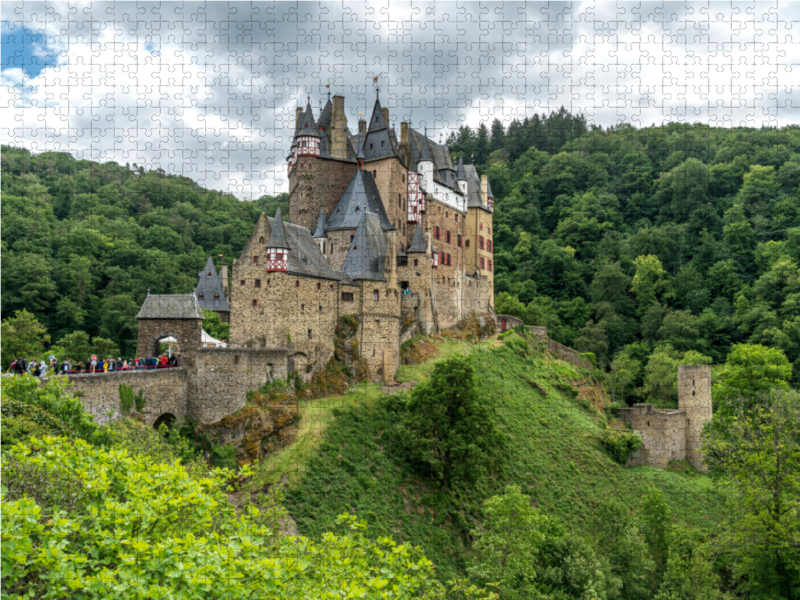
x=165, y=391
x=694, y=399
x=663, y=433
x=314, y=183
x=188, y=332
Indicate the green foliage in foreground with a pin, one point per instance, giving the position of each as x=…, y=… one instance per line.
x=83, y=521
x=620, y=444
x=31, y=407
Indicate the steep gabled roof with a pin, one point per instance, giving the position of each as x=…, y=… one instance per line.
x=419, y=243
x=489, y=193
x=277, y=238
x=367, y=254
x=361, y=196
x=425, y=153
x=209, y=292
x=378, y=142
x=325, y=115
x=319, y=231
x=170, y=306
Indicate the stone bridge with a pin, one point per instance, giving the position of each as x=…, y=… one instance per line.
x=210, y=384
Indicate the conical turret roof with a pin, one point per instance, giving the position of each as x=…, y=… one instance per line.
x=209, y=290
x=307, y=125
x=489, y=190
x=361, y=196
x=319, y=230
x=425, y=153
x=419, y=243
x=460, y=173
x=277, y=238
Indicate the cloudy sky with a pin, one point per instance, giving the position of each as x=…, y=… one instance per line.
x=209, y=90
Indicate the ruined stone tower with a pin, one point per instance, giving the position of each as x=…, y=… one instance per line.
x=694, y=399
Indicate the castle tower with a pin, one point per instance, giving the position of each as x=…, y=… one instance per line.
x=278, y=247
x=308, y=138
x=694, y=398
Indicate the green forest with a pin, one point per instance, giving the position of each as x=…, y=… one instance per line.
x=641, y=245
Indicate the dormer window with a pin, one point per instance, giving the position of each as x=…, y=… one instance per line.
x=216, y=297
x=200, y=297
x=305, y=125
x=381, y=144
x=370, y=146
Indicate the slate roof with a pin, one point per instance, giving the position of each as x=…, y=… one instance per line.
x=489, y=193
x=305, y=257
x=474, y=199
x=378, y=136
x=419, y=243
x=307, y=125
x=367, y=255
x=170, y=306
x=319, y=231
x=361, y=195
x=460, y=174
x=277, y=238
x=209, y=292
x=325, y=115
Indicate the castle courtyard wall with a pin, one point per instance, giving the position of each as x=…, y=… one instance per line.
x=663, y=434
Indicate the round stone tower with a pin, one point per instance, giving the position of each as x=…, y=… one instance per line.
x=694, y=398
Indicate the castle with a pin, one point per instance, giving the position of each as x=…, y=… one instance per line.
x=379, y=229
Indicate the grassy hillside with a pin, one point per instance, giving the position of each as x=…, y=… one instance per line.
x=342, y=460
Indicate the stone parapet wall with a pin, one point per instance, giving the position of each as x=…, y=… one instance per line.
x=540, y=334
x=662, y=431
x=165, y=391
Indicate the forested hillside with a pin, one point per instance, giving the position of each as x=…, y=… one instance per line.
x=643, y=244
x=83, y=241
x=639, y=245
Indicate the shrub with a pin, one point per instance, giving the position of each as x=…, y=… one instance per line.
x=619, y=444
x=88, y=522
x=590, y=357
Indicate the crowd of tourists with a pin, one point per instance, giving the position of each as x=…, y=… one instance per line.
x=41, y=368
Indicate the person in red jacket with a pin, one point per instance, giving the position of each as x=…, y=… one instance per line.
x=164, y=360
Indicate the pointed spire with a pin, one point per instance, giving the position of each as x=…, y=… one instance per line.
x=425, y=153
x=377, y=121
x=278, y=237
x=419, y=243
x=319, y=231
x=307, y=125
x=461, y=175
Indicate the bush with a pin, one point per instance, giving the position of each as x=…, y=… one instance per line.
x=619, y=444
x=50, y=396
x=88, y=522
x=590, y=357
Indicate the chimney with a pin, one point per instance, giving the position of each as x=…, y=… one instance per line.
x=385, y=112
x=362, y=126
x=223, y=274
x=484, y=189
x=297, y=116
x=405, y=146
x=338, y=128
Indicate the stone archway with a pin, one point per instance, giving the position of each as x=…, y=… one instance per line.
x=167, y=419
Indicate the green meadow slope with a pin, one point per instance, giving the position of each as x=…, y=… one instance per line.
x=343, y=460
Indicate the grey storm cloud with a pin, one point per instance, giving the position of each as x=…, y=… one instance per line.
x=210, y=90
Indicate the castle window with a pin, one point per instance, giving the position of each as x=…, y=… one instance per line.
x=456, y=216
x=374, y=171
x=436, y=232
x=310, y=334
x=216, y=297
x=297, y=283
x=347, y=296
x=303, y=307
x=370, y=146
x=381, y=144
x=357, y=209
x=447, y=236
x=377, y=324
x=320, y=309
x=319, y=286
x=459, y=240
x=480, y=242
x=448, y=260
x=255, y=303
x=416, y=262
x=267, y=281
x=446, y=214
x=481, y=227
x=258, y=283
x=255, y=260
x=490, y=266
x=351, y=238
x=466, y=243
x=376, y=295
x=404, y=177
x=241, y=282
x=331, y=287
x=483, y=266
x=648, y=423
x=200, y=297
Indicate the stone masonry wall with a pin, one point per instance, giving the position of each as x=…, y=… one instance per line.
x=663, y=433
x=694, y=399
x=379, y=331
x=315, y=183
x=188, y=332
x=223, y=376
x=164, y=392
x=337, y=246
